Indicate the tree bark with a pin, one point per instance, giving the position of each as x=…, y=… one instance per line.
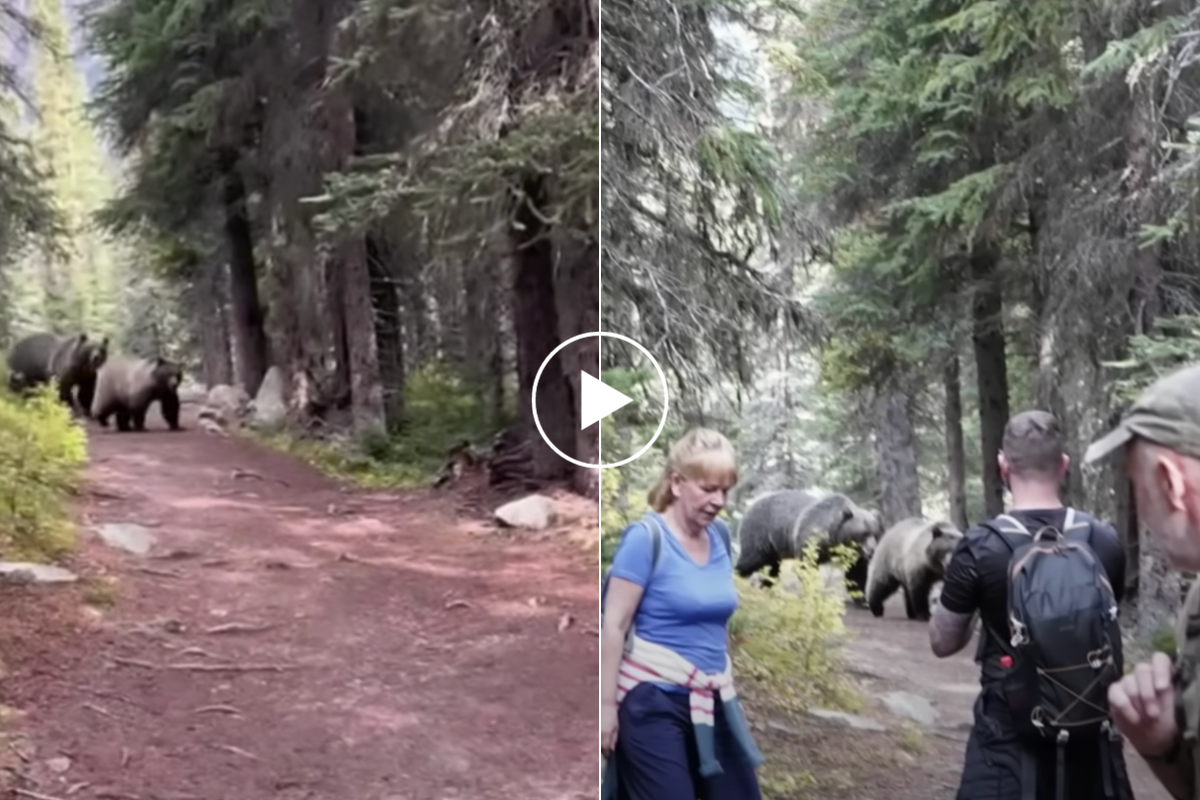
x=358, y=320
x=991, y=368
x=956, y=457
x=1157, y=586
x=578, y=300
x=895, y=455
x=389, y=335
x=535, y=311
x=206, y=302
x=253, y=348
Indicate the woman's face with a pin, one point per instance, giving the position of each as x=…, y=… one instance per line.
x=700, y=499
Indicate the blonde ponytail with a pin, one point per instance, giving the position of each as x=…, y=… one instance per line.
x=701, y=452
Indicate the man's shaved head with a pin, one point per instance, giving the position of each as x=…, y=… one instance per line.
x=1033, y=444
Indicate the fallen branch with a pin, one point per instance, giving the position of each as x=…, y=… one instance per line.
x=217, y=710
x=237, y=627
x=196, y=651
x=34, y=795
x=133, y=662
x=175, y=555
x=237, y=750
x=99, y=710
x=238, y=472
x=18, y=752
x=162, y=573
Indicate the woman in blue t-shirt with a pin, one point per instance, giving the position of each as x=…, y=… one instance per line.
x=659, y=723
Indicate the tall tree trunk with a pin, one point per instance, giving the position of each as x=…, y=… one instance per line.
x=535, y=312
x=578, y=299
x=206, y=305
x=366, y=392
x=991, y=368
x=339, y=342
x=895, y=455
x=420, y=328
x=250, y=333
x=1157, y=586
x=388, y=329
x=956, y=456
x=385, y=297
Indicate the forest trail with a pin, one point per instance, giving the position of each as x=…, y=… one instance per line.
x=915, y=751
x=414, y=660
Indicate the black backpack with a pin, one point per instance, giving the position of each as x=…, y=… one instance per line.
x=1064, y=645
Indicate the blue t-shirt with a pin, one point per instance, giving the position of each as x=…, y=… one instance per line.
x=687, y=606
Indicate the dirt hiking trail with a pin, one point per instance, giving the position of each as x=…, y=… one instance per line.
x=289, y=639
x=909, y=740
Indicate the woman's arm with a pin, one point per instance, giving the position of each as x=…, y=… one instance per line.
x=632, y=566
x=619, y=609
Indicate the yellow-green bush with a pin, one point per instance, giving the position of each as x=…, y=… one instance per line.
x=788, y=647
x=42, y=454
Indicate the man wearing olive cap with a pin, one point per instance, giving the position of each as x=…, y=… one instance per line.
x=1157, y=706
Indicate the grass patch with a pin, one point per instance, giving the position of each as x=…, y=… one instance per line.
x=442, y=410
x=788, y=784
x=912, y=740
x=99, y=592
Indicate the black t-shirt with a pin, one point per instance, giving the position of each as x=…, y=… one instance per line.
x=977, y=579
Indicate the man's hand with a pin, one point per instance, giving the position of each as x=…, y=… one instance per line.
x=1143, y=707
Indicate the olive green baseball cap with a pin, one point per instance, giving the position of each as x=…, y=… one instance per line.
x=1166, y=413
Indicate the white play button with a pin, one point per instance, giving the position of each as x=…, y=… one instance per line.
x=597, y=400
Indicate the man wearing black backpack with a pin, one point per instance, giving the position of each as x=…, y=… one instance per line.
x=1046, y=581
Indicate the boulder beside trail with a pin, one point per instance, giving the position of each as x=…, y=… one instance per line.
x=535, y=513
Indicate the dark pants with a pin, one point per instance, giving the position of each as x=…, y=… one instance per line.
x=656, y=752
x=1000, y=765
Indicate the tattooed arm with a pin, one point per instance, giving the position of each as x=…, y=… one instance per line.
x=953, y=621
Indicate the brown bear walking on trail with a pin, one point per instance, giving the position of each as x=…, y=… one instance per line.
x=126, y=387
x=73, y=361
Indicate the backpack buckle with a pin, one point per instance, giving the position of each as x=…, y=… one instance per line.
x=1019, y=634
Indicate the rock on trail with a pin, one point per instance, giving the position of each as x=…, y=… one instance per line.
x=262, y=646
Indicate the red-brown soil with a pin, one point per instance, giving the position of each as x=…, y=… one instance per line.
x=376, y=645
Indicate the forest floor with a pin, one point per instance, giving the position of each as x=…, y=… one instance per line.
x=293, y=639
x=908, y=746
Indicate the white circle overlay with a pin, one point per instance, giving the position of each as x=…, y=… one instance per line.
x=662, y=420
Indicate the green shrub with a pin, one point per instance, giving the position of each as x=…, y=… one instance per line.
x=789, y=647
x=1163, y=640
x=42, y=454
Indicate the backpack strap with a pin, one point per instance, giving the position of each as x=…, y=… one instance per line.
x=1012, y=527
x=726, y=538
x=651, y=521
x=655, y=531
